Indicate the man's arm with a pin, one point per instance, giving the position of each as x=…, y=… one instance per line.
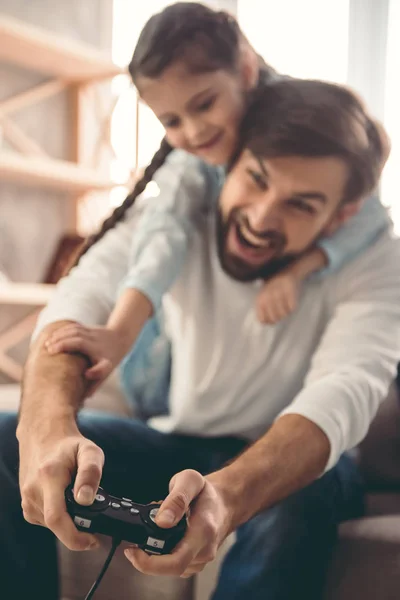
x=52, y=450
x=289, y=457
x=54, y=385
x=349, y=377
x=350, y=374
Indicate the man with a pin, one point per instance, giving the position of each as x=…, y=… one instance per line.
x=259, y=417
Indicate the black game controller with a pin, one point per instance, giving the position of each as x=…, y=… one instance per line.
x=126, y=520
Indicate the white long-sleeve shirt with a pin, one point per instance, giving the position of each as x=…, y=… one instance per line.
x=332, y=360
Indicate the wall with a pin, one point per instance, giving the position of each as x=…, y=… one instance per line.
x=32, y=220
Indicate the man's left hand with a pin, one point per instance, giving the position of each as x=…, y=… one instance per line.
x=209, y=524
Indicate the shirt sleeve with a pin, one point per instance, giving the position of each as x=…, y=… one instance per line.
x=187, y=190
x=356, y=361
x=356, y=235
x=88, y=294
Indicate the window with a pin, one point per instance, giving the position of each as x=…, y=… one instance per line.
x=391, y=176
x=303, y=38
x=351, y=41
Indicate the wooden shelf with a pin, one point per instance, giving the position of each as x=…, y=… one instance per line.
x=39, y=50
x=28, y=294
x=51, y=173
x=35, y=295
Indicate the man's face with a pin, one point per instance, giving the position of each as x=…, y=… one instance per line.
x=272, y=210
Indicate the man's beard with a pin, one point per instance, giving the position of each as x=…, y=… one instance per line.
x=238, y=269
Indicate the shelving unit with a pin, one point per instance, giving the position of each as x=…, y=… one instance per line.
x=38, y=50
x=21, y=294
x=72, y=67
x=50, y=173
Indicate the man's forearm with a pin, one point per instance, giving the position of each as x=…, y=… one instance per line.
x=53, y=387
x=291, y=455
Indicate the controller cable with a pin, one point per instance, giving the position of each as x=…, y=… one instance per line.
x=115, y=543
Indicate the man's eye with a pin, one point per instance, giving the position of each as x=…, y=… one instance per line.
x=258, y=179
x=302, y=206
x=207, y=104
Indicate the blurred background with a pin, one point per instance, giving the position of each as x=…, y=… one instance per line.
x=73, y=134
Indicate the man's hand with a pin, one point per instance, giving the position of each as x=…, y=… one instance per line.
x=101, y=345
x=46, y=469
x=208, y=526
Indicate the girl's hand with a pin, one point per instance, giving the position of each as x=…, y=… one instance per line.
x=101, y=345
x=278, y=298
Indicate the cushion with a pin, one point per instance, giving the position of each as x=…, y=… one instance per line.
x=379, y=453
x=366, y=563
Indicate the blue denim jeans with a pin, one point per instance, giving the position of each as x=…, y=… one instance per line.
x=280, y=554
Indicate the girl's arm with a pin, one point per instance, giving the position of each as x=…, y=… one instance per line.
x=355, y=235
x=279, y=296
x=159, y=246
x=160, y=238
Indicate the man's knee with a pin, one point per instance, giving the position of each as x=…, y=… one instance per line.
x=8, y=441
x=8, y=427
x=311, y=513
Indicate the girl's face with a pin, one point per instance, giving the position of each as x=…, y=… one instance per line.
x=200, y=112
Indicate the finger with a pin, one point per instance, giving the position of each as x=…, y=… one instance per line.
x=184, y=487
x=261, y=307
x=270, y=314
x=32, y=512
x=100, y=370
x=55, y=515
x=169, y=564
x=260, y=313
x=73, y=344
x=193, y=570
x=280, y=310
x=292, y=301
x=90, y=460
x=67, y=332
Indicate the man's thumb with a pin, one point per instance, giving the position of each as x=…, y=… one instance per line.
x=184, y=487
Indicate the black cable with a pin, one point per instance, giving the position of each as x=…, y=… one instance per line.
x=115, y=544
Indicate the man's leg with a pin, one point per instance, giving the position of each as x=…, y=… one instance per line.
x=139, y=464
x=283, y=553
x=28, y=559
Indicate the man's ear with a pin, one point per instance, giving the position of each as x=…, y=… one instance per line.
x=249, y=64
x=344, y=213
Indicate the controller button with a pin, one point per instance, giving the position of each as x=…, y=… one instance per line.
x=126, y=499
x=82, y=522
x=100, y=498
x=155, y=543
x=134, y=511
x=126, y=504
x=115, y=505
x=153, y=513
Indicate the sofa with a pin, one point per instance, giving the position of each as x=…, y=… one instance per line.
x=366, y=561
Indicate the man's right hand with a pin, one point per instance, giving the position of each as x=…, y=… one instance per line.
x=47, y=467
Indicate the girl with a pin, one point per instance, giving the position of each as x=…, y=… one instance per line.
x=195, y=70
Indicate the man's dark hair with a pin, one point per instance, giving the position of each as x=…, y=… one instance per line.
x=298, y=117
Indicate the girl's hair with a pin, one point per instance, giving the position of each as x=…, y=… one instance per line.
x=207, y=40
x=298, y=117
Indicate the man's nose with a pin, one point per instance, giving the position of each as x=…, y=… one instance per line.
x=263, y=216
